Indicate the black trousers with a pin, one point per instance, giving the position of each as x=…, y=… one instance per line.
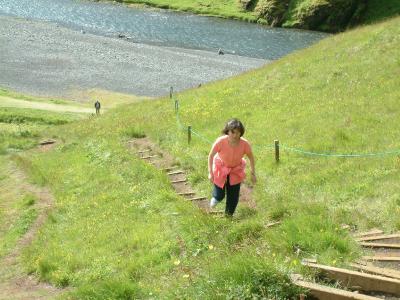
x=232, y=196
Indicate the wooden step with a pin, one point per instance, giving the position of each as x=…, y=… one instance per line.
x=47, y=142
x=384, y=253
x=271, y=224
x=149, y=156
x=328, y=293
x=197, y=198
x=144, y=151
x=345, y=227
x=380, y=245
x=169, y=168
x=366, y=282
x=216, y=212
x=372, y=232
x=179, y=181
x=381, y=258
x=186, y=194
x=175, y=172
x=378, y=237
x=377, y=271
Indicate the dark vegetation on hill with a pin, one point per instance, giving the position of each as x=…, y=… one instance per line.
x=331, y=15
x=321, y=15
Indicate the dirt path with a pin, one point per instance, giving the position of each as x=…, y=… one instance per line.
x=154, y=155
x=11, y=102
x=14, y=283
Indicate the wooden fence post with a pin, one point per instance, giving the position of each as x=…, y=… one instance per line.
x=276, y=150
x=189, y=134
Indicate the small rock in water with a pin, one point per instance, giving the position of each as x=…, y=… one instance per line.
x=220, y=52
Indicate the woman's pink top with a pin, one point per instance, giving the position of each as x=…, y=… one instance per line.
x=229, y=161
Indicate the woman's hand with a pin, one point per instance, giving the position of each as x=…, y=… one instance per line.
x=211, y=177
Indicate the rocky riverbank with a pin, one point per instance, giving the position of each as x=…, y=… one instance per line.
x=45, y=59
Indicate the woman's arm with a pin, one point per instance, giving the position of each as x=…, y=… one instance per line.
x=252, y=167
x=210, y=164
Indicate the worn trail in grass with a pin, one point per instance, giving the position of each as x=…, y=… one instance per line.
x=26, y=207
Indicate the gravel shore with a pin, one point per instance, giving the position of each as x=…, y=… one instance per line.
x=45, y=59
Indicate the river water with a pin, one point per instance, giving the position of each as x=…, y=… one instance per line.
x=165, y=28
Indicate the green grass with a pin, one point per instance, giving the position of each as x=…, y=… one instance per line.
x=134, y=226
x=21, y=128
x=224, y=8
x=119, y=231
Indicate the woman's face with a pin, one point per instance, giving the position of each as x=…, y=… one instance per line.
x=234, y=135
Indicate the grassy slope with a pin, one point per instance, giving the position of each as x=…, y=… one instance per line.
x=339, y=96
x=20, y=129
x=119, y=231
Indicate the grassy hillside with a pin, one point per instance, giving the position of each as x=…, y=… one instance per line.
x=323, y=15
x=340, y=96
x=20, y=128
x=118, y=230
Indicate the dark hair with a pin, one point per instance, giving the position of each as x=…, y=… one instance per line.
x=233, y=124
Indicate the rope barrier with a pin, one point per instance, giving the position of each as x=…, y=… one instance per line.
x=287, y=148
x=202, y=137
x=340, y=155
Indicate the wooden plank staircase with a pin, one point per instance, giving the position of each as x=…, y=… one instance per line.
x=363, y=279
x=161, y=160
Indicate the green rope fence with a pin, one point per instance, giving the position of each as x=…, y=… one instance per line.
x=340, y=155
